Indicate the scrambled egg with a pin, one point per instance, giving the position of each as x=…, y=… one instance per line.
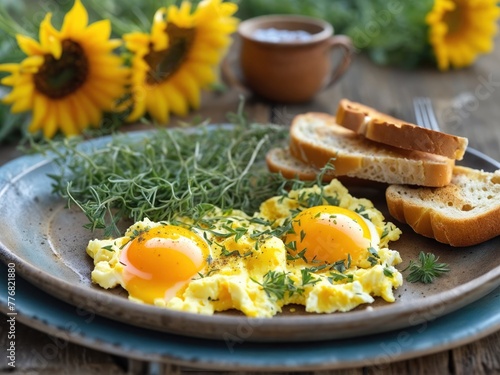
x=317, y=247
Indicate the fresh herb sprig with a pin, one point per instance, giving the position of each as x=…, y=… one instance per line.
x=276, y=284
x=426, y=269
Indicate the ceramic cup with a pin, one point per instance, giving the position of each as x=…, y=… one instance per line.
x=290, y=68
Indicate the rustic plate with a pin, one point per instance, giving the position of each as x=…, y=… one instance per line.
x=47, y=244
x=69, y=324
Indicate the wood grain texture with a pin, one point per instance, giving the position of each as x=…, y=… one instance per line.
x=466, y=103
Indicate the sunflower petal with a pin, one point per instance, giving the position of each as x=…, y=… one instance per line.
x=159, y=37
x=9, y=80
x=100, y=30
x=157, y=108
x=75, y=20
x=138, y=110
x=31, y=64
x=207, y=56
x=175, y=99
x=49, y=37
x=40, y=108
x=188, y=86
x=49, y=124
x=78, y=111
x=29, y=45
x=18, y=93
x=204, y=74
x=23, y=104
x=10, y=67
x=67, y=122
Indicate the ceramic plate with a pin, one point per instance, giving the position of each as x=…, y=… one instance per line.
x=48, y=314
x=47, y=243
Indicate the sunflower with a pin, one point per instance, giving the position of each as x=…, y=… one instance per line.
x=461, y=29
x=69, y=78
x=178, y=58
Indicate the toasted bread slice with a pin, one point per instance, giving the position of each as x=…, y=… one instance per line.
x=391, y=131
x=464, y=213
x=280, y=160
x=316, y=139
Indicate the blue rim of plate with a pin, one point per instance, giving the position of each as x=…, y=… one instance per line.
x=46, y=313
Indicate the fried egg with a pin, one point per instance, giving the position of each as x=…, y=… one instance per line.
x=162, y=260
x=317, y=247
x=328, y=234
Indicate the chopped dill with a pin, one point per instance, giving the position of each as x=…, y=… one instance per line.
x=373, y=258
x=292, y=245
x=308, y=277
x=257, y=220
x=318, y=268
x=277, y=284
x=209, y=273
x=336, y=277
x=228, y=253
x=339, y=266
x=274, y=284
x=361, y=211
x=300, y=255
x=237, y=232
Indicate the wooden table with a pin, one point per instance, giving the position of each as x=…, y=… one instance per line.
x=466, y=103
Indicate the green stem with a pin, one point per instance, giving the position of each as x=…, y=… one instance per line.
x=8, y=25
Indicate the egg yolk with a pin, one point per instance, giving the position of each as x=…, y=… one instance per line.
x=159, y=262
x=328, y=234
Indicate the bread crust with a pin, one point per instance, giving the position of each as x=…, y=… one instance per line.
x=316, y=139
x=389, y=130
x=451, y=214
x=279, y=160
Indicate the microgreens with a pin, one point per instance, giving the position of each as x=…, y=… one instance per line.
x=168, y=173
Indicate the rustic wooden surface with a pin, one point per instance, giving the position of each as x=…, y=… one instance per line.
x=466, y=103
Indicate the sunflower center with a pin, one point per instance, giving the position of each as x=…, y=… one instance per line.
x=453, y=20
x=58, y=78
x=164, y=63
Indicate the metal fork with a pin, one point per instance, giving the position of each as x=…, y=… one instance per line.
x=425, y=117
